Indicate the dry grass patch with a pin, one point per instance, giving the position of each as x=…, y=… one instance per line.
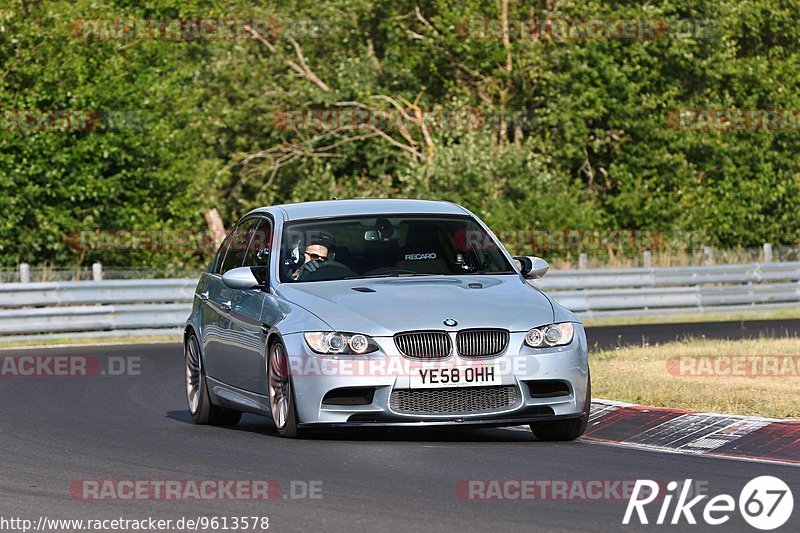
x=78, y=341
x=708, y=316
x=747, y=377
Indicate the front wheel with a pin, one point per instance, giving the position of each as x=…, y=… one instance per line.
x=562, y=430
x=281, y=396
x=200, y=406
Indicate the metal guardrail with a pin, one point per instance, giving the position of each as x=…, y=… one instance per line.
x=57, y=307
x=64, y=307
x=61, y=293
x=92, y=318
x=601, y=278
x=649, y=291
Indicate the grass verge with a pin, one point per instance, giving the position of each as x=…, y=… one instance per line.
x=759, y=377
x=709, y=316
x=77, y=341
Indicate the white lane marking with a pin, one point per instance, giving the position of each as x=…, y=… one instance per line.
x=689, y=426
x=598, y=403
x=725, y=435
x=647, y=448
x=729, y=428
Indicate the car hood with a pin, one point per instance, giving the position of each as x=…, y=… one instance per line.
x=384, y=306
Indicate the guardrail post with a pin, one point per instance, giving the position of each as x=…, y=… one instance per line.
x=767, y=252
x=583, y=260
x=708, y=255
x=24, y=273
x=647, y=259
x=97, y=272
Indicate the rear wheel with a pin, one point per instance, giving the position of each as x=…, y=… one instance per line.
x=281, y=395
x=562, y=430
x=200, y=406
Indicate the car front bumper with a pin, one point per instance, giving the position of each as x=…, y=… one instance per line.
x=315, y=378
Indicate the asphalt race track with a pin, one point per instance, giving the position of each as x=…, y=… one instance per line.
x=56, y=431
x=639, y=334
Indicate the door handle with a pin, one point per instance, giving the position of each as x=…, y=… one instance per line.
x=203, y=296
x=226, y=306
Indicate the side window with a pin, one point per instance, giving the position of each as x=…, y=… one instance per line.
x=237, y=248
x=260, y=243
x=220, y=257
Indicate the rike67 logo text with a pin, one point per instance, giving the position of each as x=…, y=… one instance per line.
x=765, y=503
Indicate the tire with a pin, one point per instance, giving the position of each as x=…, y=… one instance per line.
x=563, y=430
x=281, y=393
x=198, y=400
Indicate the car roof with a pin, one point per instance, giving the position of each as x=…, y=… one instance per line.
x=366, y=207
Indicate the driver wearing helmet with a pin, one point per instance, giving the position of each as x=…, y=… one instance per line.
x=321, y=247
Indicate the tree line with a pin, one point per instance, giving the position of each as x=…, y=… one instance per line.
x=675, y=116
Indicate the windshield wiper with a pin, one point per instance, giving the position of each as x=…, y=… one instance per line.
x=394, y=275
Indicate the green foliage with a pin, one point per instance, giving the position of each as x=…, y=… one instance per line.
x=596, y=149
x=509, y=187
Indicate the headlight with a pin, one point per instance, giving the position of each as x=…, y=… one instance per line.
x=552, y=335
x=336, y=343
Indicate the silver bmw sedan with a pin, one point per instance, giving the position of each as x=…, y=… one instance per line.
x=354, y=313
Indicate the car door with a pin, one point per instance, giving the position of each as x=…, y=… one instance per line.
x=253, y=311
x=220, y=300
x=213, y=320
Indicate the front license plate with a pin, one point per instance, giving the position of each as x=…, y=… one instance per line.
x=434, y=377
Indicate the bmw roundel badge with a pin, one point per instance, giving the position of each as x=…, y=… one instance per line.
x=450, y=322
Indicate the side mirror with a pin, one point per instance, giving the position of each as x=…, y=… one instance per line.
x=532, y=267
x=240, y=278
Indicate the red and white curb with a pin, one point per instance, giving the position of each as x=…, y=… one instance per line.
x=691, y=432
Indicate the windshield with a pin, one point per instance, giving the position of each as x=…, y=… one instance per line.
x=362, y=247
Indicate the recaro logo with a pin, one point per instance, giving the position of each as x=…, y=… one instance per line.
x=417, y=257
